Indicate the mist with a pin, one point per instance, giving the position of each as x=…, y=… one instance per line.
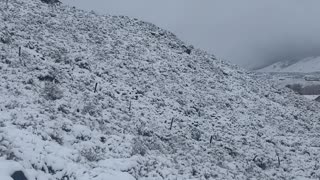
x=249, y=33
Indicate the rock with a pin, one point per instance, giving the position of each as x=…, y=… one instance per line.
x=18, y=175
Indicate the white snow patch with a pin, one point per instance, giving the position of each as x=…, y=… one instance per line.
x=7, y=168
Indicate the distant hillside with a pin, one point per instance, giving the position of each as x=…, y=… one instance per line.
x=90, y=97
x=307, y=65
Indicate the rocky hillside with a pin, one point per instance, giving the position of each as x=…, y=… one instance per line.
x=90, y=97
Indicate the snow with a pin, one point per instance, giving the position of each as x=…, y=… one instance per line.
x=155, y=110
x=7, y=168
x=306, y=65
x=311, y=97
x=112, y=176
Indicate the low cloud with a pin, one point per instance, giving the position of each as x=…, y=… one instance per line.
x=250, y=33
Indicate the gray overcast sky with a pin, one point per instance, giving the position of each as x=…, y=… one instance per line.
x=248, y=32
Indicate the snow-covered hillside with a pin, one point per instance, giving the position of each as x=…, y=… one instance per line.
x=93, y=97
x=307, y=65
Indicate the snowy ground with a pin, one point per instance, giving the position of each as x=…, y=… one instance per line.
x=309, y=82
x=311, y=97
x=7, y=168
x=161, y=110
x=306, y=65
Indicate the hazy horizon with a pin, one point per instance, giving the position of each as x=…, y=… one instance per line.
x=249, y=33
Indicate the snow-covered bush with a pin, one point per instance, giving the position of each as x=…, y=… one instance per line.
x=64, y=108
x=195, y=134
x=91, y=109
x=60, y=56
x=263, y=162
x=5, y=37
x=52, y=92
x=92, y=106
x=55, y=136
x=93, y=153
x=6, y=148
x=3, y=145
x=12, y=105
x=139, y=147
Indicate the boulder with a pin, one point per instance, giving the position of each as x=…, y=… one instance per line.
x=18, y=175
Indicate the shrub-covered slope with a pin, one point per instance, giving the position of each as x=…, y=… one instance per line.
x=110, y=97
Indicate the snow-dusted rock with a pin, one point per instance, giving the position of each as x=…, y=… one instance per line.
x=10, y=170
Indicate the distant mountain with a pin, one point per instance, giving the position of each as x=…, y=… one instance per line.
x=307, y=65
x=91, y=97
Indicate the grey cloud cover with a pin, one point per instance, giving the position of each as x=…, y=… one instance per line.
x=250, y=33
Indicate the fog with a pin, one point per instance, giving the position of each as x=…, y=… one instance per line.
x=250, y=33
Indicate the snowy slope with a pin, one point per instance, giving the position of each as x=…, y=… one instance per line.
x=160, y=109
x=307, y=65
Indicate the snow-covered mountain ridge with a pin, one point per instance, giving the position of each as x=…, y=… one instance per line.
x=95, y=97
x=306, y=65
